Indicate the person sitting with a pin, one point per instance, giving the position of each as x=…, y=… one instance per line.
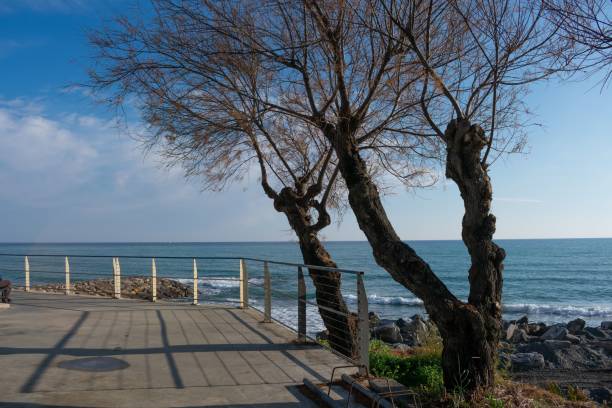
x=5, y=290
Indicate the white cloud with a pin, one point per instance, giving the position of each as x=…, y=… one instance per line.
x=71, y=159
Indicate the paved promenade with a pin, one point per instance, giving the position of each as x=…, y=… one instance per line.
x=177, y=355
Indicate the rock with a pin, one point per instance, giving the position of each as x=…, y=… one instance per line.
x=600, y=395
x=322, y=335
x=576, y=326
x=556, y=332
x=131, y=287
x=573, y=339
x=505, y=325
x=510, y=330
x=606, y=325
x=536, y=329
x=414, y=331
x=503, y=360
x=527, y=361
x=557, y=344
x=560, y=354
x=519, y=336
x=374, y=319
x=522, y=320
x=387, y=332
x=403, y=348
x=595, y=333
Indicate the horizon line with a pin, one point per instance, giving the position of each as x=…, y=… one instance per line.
x=274, y=241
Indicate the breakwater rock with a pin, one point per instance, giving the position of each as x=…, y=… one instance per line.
x=134, y=287
x=402, y=334
x=570, y=345
x=564, y=354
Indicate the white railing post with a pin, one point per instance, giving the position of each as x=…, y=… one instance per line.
x=27, y=274
x=153, y=281
x=117, y=278
x=244, y=285
x=114, y=277
x=301, y=305
x=195, y=282
x=267, y=294
x=363, y=327
x=67, y=264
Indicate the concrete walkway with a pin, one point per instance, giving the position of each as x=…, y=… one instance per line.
x=179, y=355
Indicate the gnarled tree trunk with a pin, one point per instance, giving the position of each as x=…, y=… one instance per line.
x=464, y=166
x=341, y=326
x=469, y=330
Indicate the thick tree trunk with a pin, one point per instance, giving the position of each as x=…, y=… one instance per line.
x=341, y=326
x=469, y=330
x=463, y=165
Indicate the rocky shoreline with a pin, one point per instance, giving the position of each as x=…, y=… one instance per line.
x=533, y=352
x=133, y=287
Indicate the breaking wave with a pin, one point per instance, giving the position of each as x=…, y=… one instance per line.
x=387, y=300
x=559, y=310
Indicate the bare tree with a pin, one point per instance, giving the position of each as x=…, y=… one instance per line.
x=588, y=23
x=195, y=89
x=473, y=61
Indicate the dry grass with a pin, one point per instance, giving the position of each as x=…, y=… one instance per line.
x=509, y=394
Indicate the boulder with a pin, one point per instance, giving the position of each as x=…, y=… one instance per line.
x=403, y=324
x=556, y=332
x=527, y=361
x=557, y=344
x=510, y=331
x=374, y=319
x=573, y=339
x=519, y=336
x=595, y=333
x=503, y=360
x=576, y=326
x=414, y=331
x=536, y=329
x=387, y=332
x=606, y=325
x=600, y=395
x=505, y=324
x=564, y=355
x=522, y=320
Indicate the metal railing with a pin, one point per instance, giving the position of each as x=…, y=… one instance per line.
x=279, y=290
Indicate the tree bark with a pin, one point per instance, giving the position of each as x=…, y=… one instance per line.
x=341, y=326
x=464, y=143
x=470, y=330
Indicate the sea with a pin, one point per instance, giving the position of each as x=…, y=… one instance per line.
x=549, y=280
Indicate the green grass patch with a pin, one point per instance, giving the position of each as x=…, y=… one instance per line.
x=421, y=370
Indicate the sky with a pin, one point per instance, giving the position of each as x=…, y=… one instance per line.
x=69, y=174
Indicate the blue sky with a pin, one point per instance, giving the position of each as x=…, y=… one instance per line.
x=68, y=174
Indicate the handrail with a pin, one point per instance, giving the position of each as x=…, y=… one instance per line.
x=227, y=258
x=356, y=351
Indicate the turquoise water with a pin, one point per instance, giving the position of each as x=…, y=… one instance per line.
x=549, y=280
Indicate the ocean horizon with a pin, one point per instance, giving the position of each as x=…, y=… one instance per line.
x=549, y=280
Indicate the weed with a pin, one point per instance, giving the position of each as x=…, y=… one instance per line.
x=555, y=389
x=576, y=394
